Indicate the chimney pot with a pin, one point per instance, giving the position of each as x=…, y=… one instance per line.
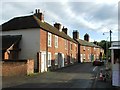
x=86, y=37
x=64, y=30
x=75, y=34
x=58, y=26
x=36, y=11
x=39, y=15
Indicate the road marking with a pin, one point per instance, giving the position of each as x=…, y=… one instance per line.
x=94, y=68
x=94, y=82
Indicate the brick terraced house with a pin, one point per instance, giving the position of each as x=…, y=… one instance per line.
x=87, y=51
x=49, y=46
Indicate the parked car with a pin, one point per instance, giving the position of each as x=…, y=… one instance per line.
x=98, y=63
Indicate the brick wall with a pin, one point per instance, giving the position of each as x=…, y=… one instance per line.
x=88, y=51
x=17, y=67
x=62, y=49
x=43, y=40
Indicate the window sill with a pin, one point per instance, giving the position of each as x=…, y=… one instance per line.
x=56, y=47
x=49, y=46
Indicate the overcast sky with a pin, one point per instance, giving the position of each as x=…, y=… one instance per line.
x=86, y=16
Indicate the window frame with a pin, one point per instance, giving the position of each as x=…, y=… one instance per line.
x=56, y=41
x=84, y=56
x=49, y=39
x=56, y=58
x=66, y=44
x=49, y=59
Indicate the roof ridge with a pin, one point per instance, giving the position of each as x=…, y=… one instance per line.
x=49, y=26
x=87, y=43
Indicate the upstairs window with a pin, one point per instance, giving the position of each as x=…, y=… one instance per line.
x=66, y=44
x=49, y=39
x=56, y=41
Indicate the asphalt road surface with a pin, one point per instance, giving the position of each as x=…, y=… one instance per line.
x=75, y=76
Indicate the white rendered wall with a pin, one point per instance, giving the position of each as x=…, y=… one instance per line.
x=29, y=44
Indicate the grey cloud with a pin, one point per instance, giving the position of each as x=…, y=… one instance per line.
x=101, y=13
x=105, y=12
x=81, y=7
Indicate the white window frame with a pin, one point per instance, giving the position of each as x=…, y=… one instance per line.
x=56, y=54
x=66, y=44
x=84, y=56
x=95, y=57
x=49, y=39
x=49, y=59
x=88, y=49
x=56, y=41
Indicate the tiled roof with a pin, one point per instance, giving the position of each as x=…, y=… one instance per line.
x=8, y=40
x=46, y=26
x=32, y=21
x=17, y=23
x=85, y=43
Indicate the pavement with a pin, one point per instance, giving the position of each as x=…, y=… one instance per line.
x=98, y=83
x=76, y=76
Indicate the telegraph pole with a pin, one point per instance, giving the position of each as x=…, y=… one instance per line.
x=110, y=43
x=110, y=37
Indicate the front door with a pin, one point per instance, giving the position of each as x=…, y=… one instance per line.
x=63, y=60
x=43, y=62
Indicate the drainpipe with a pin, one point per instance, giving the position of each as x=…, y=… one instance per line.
x=79, y=53
x=47, y=50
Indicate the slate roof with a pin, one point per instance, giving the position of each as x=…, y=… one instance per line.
x=85, y=43
x=8, y=40
x=46, y=26
x=17, y=23
x=32, y=21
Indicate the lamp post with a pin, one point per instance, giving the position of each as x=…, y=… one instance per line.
x=107, y=48
x=110, y=35
x=106, y=43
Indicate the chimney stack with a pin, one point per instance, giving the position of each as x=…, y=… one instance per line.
x=65, y=30
x=58, y=26
x=95, y=42
x=75, y=34
x=86, y=37
x=39, y=15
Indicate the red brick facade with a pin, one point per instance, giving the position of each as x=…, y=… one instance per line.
x=43, y=39
x=57, y=49
x=90, y=53
x=65, y=47
x=85, y=52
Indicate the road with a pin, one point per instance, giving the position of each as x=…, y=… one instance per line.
x=75, y=76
